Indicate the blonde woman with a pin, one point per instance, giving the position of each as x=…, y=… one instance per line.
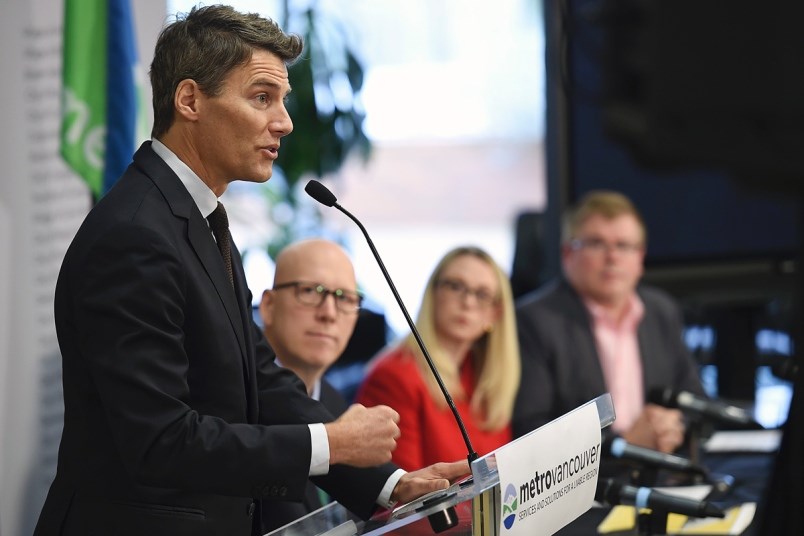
x=467, y=323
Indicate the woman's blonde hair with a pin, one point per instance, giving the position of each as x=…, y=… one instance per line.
x=496, y=352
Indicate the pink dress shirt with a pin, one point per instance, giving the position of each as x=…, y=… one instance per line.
x=618, y=347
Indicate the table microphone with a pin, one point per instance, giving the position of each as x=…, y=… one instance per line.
x=611, y=492
x=617, y=447
x=321, y=193
x=712, y=409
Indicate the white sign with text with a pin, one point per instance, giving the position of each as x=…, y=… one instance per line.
x=549, y=477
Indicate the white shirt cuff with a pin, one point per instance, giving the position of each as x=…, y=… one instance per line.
x=384, y=499
x=319, y=460
x=319, y=463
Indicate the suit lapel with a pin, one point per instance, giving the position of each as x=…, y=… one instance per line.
x=198, y=235
x=648, y=331
x=247, y=321
x=204, y=245
x=582, y=330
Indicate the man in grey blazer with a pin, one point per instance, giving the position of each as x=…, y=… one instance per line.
x=598, y=330
x=176, y=418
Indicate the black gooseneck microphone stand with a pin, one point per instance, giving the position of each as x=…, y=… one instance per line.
x=321, y=193
x=446, y=518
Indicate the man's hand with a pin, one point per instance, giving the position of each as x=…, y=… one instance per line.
x=433, y=478
x=657, y=428
x=363, y=437
x=668, y=424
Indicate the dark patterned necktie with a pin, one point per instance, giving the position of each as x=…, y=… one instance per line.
x=219, y=224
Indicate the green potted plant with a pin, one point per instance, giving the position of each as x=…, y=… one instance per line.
x=327, y=114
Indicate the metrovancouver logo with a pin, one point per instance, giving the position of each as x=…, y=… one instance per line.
x=548, y=486
x=509, y=506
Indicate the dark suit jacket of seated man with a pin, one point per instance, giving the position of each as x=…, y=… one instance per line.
x=561, y=367
x=277, y=514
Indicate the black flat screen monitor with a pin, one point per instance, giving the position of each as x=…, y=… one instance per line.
x=697, y=216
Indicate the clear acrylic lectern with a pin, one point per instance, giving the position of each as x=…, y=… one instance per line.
x=473, y=502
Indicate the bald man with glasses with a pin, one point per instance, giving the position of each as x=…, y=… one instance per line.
x=308, y=317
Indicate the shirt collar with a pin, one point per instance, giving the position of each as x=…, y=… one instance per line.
x=204, y=198
x=316, y=394
x=634, y=311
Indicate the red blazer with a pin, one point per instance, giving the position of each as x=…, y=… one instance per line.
x=429, y=432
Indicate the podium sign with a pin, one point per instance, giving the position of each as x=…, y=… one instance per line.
x=481, y=499
x=548, y=477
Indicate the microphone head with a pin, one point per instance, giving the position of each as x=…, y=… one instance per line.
x=320, y=193
x=711, y=409
x=615, y=446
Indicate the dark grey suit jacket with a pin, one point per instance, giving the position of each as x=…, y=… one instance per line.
x=560, y=365
x=276, y=514
x=176, y=416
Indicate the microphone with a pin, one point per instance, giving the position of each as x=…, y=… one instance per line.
x=611, y=492
x=618, y=447
x=321, y=193
x=712, y=409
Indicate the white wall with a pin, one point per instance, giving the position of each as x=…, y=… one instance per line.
x=41, y=205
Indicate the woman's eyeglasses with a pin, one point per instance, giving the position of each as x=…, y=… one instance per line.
x=459, y=289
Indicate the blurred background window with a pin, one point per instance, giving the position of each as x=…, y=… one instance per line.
x=454, y=102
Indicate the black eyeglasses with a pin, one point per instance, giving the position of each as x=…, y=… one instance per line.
x=314, y=294
x=456, y=288
x=600, y=247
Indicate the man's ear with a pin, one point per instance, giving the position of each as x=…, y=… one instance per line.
x=267, y=307
x=187, y=98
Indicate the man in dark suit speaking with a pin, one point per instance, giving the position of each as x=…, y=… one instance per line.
x=176, y=416
x=599, y=330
